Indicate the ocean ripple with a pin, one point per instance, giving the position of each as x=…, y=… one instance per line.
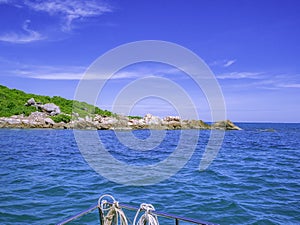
x=255, y=178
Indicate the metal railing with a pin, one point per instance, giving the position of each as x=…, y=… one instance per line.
x=176, y=218
x=78, y=215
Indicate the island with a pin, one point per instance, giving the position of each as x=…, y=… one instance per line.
x=23, y=110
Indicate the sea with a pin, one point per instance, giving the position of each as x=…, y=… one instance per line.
x=253, y=179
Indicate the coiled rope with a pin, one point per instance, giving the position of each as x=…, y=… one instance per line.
x=112, y=214
x=148, y=217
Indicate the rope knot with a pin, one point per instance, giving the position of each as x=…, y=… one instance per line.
x=148, y=217
x=116, y=204
x=147, y=207
x=110, y=211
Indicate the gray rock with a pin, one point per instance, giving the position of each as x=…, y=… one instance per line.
x=195, y=124
x=13, y=121
x=225, y=125
x=30, y=102
x=51, y=108
x=152, y=120
x=37, y=116
x=49, y=121
x=172, y=118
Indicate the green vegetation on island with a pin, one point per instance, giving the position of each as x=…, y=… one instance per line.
x=13, y=101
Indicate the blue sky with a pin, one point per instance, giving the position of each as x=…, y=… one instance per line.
x=251, y=46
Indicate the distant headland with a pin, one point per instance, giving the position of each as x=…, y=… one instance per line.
x=22, y=110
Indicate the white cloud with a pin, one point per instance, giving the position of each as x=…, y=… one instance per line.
x=101, y=75
x=260, y=80
x=229, y=63
x=127, y=75
x=147, y=69
x=64, y=72
x=223, y=63
x=66, y=11
x=48, y=72
x=26, y=36
x=78, y=72
x=56, y=76
x=15, y=3
x=240, y=75
x=279, y=81
x=296, y=85
x=70, y=10
x=71, y=74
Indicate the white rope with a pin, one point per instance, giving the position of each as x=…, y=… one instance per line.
x=148, y=217
x=112, y=213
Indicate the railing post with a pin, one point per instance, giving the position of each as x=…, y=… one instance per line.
x=176, y=221
x=100, y=216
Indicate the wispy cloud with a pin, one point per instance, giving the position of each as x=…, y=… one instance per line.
x=54, y=76
x=15, y=3
x=223, y=63
x=62, y=72
x=78, y=72
x=149, y=69
x=70, y=10
x=291, y=85
x=233, y=80
x=27, y=35
x=259, y=80
x=229, y=63
x=240, y=75
x=74, y=73
x=61, y=14
x=279, y=81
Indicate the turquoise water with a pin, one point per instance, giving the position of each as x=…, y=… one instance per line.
x=255, y=178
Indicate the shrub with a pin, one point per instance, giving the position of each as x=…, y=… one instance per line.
x=135, y=117
x=61, y=118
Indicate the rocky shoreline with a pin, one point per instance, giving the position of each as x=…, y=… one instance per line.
x=43, y=120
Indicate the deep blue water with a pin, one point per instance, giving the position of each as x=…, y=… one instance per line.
x=255, y=178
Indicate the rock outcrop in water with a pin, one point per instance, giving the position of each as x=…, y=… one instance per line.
x=42, y=120
x=225, y=125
